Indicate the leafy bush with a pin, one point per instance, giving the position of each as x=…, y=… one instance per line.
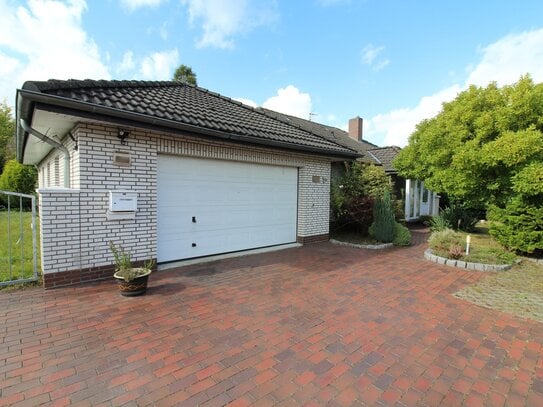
x=18, y=178
x=438, y=223
x=402, y=235
x=356, y=215
x=442, y=241
x=425, y=219
x=460, y=218
x=456, y=251
x=383, y=219
x=519, y=226
x=352, y=197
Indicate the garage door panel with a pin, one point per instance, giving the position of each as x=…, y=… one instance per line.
x=237, y=206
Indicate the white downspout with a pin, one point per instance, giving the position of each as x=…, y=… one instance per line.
x=56, y=145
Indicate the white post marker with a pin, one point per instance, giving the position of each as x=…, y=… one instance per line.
x=468, y=241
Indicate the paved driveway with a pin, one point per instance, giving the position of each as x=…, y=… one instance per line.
x=308, y=326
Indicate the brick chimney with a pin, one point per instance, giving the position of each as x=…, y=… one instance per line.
x=355, y=128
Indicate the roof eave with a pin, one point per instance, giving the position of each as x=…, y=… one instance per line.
x=27, y=99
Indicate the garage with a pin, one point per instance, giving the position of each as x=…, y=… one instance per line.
x=207, y=206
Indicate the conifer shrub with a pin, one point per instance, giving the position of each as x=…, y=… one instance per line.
x=384, y=223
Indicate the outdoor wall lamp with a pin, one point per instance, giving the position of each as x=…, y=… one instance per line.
x=123, y=135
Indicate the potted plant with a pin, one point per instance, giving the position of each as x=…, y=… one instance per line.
x=131, y=281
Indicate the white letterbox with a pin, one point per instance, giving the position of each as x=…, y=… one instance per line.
x=123, y=201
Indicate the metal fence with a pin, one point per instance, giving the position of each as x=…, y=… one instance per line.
x=18, y=238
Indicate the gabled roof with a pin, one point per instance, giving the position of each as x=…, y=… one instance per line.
x=385, y=156
x=328, y=132
x=171, y=106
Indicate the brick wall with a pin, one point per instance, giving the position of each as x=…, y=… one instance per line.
x=75, y=229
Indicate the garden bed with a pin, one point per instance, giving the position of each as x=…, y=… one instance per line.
x=353, y=239
x=483, y=248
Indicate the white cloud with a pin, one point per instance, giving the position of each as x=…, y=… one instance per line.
x=127, y=64
x=135, y=4
x=163, y=31
x=508, y=58
x=159, y=65
x=44, y=40
x=371, y=56
x=291, y=101
x=247, y=102
x=395, y=126
x=223, y=20
x=503, y=61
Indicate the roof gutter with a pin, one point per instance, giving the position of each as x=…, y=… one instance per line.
x=135, y=117
x=53, y=143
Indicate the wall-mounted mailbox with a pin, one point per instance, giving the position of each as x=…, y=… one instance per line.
x=123, y=201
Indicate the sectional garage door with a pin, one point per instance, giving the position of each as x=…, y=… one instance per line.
x=208, y=207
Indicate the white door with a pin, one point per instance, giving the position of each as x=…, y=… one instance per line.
x=424, y=201
x=208, y=207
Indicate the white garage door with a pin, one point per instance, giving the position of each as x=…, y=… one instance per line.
x=210, y=206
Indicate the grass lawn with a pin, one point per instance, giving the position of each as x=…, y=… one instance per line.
x=21, y=249
x=518, y=291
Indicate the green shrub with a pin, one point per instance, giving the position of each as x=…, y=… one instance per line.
x=371, y=230
x=519, y=226
x=402, y=235
x=18, y=178
x=438, y=223
x=352, y=196
x=460, y=218
x=383, y=219
x=425, y=219
x=442, y=241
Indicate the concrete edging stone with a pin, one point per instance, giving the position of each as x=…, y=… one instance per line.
x=428, y=255
x=380, y=246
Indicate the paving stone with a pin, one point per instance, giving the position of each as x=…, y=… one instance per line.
x=321, y=324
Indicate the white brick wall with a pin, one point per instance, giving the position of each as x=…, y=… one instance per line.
x=59, y=227
x=74, y=226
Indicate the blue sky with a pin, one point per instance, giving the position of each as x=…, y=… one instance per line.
x=391, y=62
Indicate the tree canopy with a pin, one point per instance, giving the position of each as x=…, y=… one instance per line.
x=7, y=135
x=185, y=74
x=483, y=147
x=485, y=150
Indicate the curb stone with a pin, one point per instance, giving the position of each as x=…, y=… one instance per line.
x=428, y=255
x=380, y=246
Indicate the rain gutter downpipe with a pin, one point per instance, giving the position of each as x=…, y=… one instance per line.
x=56, y=145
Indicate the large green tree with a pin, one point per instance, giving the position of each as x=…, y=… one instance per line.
x=478, y=143
x=485, y=150
x=7, y=135
x=185, y=74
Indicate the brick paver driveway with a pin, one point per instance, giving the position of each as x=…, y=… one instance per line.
x=315, y=325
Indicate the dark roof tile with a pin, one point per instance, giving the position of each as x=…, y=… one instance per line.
x=386, y=156
x=330, y=133
x=187, y=104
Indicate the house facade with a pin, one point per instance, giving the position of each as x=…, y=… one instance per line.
x=167, y=170
x=418, y=200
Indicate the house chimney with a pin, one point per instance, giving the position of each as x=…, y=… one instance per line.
x=355, y=128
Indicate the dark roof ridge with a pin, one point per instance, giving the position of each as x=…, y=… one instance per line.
x=283, y=118
x=57, y=84
x=385, y=148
